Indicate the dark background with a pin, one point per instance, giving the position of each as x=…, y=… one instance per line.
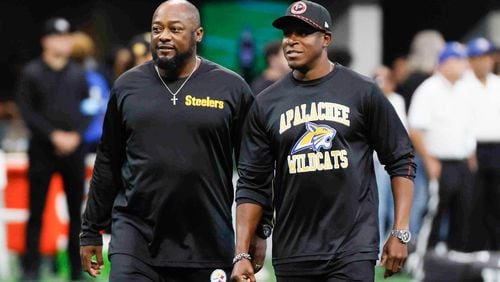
x=114, y=22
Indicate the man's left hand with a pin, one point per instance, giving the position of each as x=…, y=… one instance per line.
x=393, y=256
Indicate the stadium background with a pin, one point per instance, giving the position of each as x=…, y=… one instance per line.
x=226, y=23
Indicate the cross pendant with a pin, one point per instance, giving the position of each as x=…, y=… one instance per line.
x=174, y=99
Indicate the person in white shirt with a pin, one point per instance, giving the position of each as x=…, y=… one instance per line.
x=442, y=131
x=484, y=86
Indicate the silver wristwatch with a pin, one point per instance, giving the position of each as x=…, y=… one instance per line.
x=403, y=235
x=264, y=231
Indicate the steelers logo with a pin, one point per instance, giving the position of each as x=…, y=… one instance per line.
x=218, y=275
x=299, y=8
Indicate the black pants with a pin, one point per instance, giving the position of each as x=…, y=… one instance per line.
x=128, y=268
x=489, y=180
x=487, y=196
x=43, y=163
x=363, y=270
x=455, y=202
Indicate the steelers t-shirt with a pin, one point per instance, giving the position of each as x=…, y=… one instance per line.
x=314, y=140
x=163, y=172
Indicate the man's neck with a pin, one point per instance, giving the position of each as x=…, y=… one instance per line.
x=323, y=68
x=451, y=80
x=481, y=78
x=184, y=71
x=55, y=61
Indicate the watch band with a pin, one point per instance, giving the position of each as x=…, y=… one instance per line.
x=402, y=234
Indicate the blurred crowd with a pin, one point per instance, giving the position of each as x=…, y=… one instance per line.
x=100, y=75
x=447, y=95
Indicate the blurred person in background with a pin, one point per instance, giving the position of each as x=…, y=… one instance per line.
x=399, y=70
x=496, y=56
x=116, y=62
x=485, y=89
x=422, y=61
x=163, y=172
x=122, y=58
x=140, y=49
x=308, y=148
x=384, y=79
x=442, y=130
x=50, y=91
x=277, y=67
x=94, y=105
x=340, y=55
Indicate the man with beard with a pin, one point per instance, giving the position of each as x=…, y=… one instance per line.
x=163, y=173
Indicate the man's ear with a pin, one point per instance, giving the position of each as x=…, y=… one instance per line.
x=199, y=34
x=327, y=39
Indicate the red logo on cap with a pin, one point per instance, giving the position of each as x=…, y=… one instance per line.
x=299, y=8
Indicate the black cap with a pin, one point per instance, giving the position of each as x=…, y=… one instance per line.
x=56, y=26
x=309, y=12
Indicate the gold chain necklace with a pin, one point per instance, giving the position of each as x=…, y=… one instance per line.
x=174, y=98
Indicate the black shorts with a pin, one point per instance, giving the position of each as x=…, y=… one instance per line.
x=362, y=270
x=128, y=268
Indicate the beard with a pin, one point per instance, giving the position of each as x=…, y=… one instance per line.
x=173, y=65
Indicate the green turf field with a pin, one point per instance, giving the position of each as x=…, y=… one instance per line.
x=57, y=270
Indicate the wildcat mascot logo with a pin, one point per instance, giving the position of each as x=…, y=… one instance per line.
x=316, y=137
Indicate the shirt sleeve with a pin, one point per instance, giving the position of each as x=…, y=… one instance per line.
x=37, y=123
x=256, y=165
x=389, y=137
x=106, y=177
x=419, y=114
x=246, y=100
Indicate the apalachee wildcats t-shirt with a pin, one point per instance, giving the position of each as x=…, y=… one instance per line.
x=321, y=134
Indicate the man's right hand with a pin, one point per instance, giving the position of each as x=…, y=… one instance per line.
x=92, y=267
x=243, y=271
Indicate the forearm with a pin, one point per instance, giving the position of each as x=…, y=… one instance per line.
x=402, y=190
x=247, y=217
x=104, y=187
x=417, y=138
x=38, y=124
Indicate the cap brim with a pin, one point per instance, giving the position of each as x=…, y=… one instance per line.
x=481, y=53
x=49, y=33
x=285, y=21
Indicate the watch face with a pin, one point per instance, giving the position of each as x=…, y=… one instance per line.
x=266, y=229
x=405, y=236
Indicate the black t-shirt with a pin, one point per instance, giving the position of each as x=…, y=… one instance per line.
x=50, y=100
x=164, y=172
x=260, y=83
x=319, y=136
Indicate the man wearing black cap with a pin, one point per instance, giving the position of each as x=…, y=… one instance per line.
x=50, y=91
x=308, y=143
